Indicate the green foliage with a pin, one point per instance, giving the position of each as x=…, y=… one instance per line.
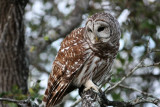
x=119, y=70
x=34, y=27
x=32, y=48
x=15, y=93
x=46, y=38
x=18, y=92
x=130, y=59
x=116, y=97
x=146, y=25
x=3, y=94
x=98, y=1
x=12, y=105
x=121, y=59
x=34, y=91
x=115, y=79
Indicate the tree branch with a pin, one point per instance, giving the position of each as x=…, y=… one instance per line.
x=23, y=103
x=151, y=65
x=76, y=102
x=91, y=99
x=134, y=89
x=148, y=75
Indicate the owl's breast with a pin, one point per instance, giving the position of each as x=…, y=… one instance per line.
x=103, y=70
x=93, y=69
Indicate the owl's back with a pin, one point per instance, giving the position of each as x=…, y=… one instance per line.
x=70, y=58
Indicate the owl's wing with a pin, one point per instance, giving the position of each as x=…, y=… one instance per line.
x=70, y=58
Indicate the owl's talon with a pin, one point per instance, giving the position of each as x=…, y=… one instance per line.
x=95, y=89
x=89, y=84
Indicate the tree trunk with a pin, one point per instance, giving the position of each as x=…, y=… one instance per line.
x=13, y=62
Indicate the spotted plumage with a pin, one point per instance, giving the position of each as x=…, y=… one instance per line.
x=85, y=57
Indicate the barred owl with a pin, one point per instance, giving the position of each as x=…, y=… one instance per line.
x=85, y=58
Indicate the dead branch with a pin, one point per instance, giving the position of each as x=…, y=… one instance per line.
x=134, y=89
x=91, y=99
x=23, y=103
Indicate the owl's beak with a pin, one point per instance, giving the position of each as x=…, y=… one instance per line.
x=96, y=38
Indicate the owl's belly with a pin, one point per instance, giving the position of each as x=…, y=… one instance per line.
x=91, y=68
x=104, y=68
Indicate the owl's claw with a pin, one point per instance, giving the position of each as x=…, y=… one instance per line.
x=89, y=84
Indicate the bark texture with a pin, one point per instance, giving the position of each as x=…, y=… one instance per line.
x=13, y=62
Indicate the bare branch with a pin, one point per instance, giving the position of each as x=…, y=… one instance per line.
x=155, y=50
x=140, y=100
x=151, y=65
x=13, y=100
x=89, y=99
x=92, y=99
x=134, y=89
x=147, y=48
x=76, y=102
x=24, y=103
x=148, y=75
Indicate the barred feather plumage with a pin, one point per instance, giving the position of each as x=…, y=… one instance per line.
x=86, y=54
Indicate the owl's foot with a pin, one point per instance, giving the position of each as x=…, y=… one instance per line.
x=89, y=84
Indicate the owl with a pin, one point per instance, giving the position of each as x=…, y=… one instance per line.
x=84, y=59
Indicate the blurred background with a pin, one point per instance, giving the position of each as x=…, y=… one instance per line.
x=47, y=22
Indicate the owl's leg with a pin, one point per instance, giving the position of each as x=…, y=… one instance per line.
x=89, y=84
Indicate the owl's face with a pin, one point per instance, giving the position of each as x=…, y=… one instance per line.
x=98, y=31
x=99, y=28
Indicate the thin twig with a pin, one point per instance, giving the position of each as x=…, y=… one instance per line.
x=151, y=65
x=76, y=102
x=14, y=101
x=155, y=50
x=134, y=89
x=147, y=48
x=23, y=103
x=140, y=100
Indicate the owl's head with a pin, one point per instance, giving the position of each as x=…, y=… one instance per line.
x=102, y=28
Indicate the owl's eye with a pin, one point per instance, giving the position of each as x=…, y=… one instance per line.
x=89, y=30
x=101, y=28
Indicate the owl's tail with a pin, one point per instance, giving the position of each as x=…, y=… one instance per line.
x=55, y=92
